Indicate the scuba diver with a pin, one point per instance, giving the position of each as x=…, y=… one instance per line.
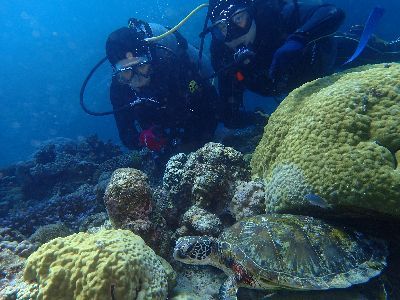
x=162, y=99
x=272, y=46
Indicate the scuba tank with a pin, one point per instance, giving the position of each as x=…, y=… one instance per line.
x=178, y=45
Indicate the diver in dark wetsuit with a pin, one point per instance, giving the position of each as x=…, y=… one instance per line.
x=270, y=47
x=160, y=98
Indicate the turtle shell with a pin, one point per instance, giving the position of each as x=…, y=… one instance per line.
x=299, y=252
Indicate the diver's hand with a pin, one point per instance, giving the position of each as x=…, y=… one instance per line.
x=153, y=138
x=285, y=58
x=243, y=55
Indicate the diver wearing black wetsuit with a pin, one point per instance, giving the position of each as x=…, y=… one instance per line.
x=160, y=98
x=246, y=45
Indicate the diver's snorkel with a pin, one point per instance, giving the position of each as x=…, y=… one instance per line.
x=149, y=40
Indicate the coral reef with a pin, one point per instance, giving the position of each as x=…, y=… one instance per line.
x=128, y=199
x=64, y=181
x=248, y=200
x=336, y=139
x=59, y=191
x=101, y=186
x=14, y=241
x=245, y=139
x=109, y=264
x=48, y=232
x=129, y=159
x=94, y=221
x=11, y=267
x=205, y=179
x=197, y=283
x=129, y=203
x=201, y=222
x=71, y=209
x=287, y=189
x=14, y=249
x=61, y=164
x=10, y=191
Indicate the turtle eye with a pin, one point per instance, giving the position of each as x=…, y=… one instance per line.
x=189, y=250
x=180, y=254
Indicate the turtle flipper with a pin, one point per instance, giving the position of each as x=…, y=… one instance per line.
x=228, y=289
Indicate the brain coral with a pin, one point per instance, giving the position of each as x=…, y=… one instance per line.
x=337, y=137
x=111, y=264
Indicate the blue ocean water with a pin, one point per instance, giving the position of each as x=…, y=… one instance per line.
x=48, y=47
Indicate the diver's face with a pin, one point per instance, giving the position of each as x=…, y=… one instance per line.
x=232, y=27
x=241, y=18
x=134, y=71
x=245, y=39
x=140, y=77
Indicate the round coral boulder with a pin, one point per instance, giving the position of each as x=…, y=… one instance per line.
x=332, y=145
x=128, y=199
x=110, y=264
x=206, y=178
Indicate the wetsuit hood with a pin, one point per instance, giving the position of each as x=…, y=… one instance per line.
x=224, y=8
x=128, y=39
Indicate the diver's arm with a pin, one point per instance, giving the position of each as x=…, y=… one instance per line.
x=124, y=118
x=127, y=134
x=315, y=22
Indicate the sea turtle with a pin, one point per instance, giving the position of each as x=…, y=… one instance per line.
x=278, y=251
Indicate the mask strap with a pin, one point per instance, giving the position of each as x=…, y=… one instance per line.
x=140, y=26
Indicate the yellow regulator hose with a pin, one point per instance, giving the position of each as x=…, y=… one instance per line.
x=175, y=28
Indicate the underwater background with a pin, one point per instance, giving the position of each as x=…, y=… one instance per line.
x=324, y=155
x=48, y=47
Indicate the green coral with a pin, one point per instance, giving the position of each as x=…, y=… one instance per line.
x=342, y=134
x=286, y=189
x=95, y=266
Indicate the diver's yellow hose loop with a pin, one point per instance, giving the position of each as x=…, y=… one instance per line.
x=175, y=28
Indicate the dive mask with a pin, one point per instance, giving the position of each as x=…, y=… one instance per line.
x=231, y=26
x=126, y=69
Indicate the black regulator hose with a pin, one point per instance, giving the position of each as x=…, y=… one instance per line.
x=82, y=92
x=202, y=38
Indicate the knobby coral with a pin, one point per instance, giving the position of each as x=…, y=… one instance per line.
x=339, y=135
x=108, y=264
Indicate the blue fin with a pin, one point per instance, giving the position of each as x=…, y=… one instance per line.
x=369, y=29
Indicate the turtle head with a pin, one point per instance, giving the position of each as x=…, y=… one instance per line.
x=195, y=250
